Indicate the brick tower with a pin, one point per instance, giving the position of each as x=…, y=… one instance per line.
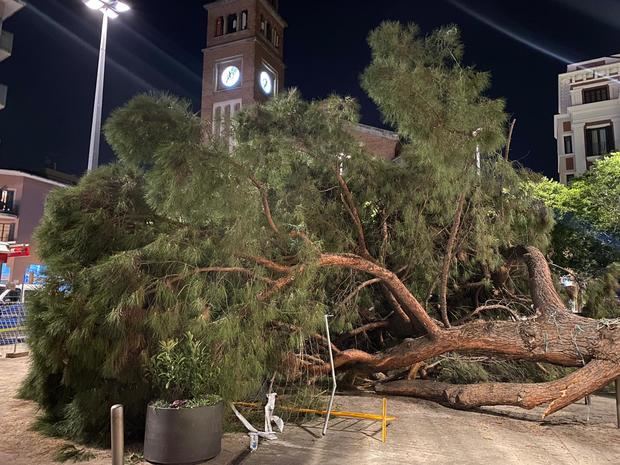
x=243, y=58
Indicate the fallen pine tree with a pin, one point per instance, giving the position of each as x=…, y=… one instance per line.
x=248, y=247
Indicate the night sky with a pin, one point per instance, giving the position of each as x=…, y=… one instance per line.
x=51, y=75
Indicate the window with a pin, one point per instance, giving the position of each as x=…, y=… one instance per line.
x=569, y=163
x=276, y=39
x=7, y=198
x=596, y=94
x=599, y=141
x=566, y=126
x=7, y=232
x=231, y=24
x=269, y=32
x=263, y=24
x=219, y=26
x=244, y=20
x=568, y=144
x=569, y=178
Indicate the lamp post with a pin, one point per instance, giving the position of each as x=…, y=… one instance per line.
x=110, y=9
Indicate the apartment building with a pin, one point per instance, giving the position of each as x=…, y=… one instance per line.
x=22, y=200
x=7, y=9
x=587, y=126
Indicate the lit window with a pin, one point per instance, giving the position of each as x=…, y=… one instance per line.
x=263, y=24
x=7, y=199
x=244, y=20
x=231, y=24
x=7, y=232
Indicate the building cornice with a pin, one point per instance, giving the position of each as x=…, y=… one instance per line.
x=376, y=131
x=247, y=40
x=595, y=71
x=11, y=7
x=23, y=174
x=264, y=3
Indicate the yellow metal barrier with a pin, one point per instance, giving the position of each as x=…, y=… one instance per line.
x=383, y=418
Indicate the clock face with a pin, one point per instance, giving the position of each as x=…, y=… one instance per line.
x=266, y=82
x=230, y=76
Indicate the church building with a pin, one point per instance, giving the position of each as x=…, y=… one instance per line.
x=244, y=64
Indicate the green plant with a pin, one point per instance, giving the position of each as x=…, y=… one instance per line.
x=68, y=452
x=182, y=373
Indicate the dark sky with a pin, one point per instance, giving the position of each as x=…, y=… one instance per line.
x=51, y=75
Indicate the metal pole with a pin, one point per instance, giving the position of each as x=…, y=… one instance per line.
x=618, y=402
x=118, y=435
x=331, y=363
x=95, y=133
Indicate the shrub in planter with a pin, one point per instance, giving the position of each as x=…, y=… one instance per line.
x=184, y=425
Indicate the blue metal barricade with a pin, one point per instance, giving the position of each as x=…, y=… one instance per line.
x=12, y=324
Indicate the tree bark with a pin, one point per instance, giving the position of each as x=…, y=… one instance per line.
x=558, y=394
x=447, y=261
x=553, y=335
x=509, y=141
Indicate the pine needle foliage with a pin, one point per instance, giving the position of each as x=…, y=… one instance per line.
x=173, y=238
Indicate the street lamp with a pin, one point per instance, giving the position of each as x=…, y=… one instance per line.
x=110, y=9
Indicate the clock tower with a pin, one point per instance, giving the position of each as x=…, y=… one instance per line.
x=243, y=60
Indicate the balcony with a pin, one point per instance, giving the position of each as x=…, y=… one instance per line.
x=3, y=91
x=6, y=45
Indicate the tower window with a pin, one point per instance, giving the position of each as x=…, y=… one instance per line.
x=596, y=94
x=568, y=144
x=569, y=163
x=244, y=20
x=262, y=24
x=231, y=24
x=276, y=39
x=219, y=26
x=269, y=32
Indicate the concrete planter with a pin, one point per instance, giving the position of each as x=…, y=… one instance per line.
x=183, y=436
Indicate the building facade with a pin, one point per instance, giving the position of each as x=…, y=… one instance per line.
x=7, y=8
x=22, y=200
x=243, y=60
x=587, y=126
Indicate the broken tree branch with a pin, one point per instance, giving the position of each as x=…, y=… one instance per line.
x=447, y=261
x=347, y=197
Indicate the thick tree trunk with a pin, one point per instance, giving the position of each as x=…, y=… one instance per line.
x=553, y=335
x=558, y=394
x=559, y=338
